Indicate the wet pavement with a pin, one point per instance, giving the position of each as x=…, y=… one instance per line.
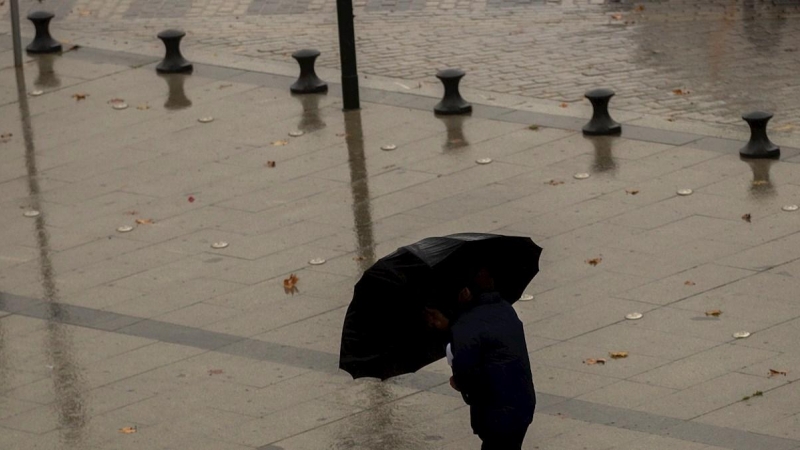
x=679, y=62
x=153, y=338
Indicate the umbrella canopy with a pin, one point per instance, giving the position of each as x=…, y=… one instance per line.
x=384, y=334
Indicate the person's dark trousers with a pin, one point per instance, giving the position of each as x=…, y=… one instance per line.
x=505, y=441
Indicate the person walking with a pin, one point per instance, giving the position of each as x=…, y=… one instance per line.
x=490, y=364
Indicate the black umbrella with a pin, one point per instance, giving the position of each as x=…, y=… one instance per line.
x=384, y=333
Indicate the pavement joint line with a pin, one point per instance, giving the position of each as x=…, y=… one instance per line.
x=422, y=102
x=553, y=405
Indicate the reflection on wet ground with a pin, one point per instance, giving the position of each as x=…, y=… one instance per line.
x=177, y=98
x=359, y=185
x=68, y=384
x=47, y=77
x=455, y=132
x=603, y=158
x=311, y=119
x=762, y=185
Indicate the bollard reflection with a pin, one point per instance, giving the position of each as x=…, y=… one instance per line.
x=761, y=186
x=603, y=155
x=311, y=119
x=47, y=77
x=68, y=383
x=177, y=98
x=455, y=132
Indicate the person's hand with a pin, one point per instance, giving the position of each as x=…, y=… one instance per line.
x=453, y=384
x=435, y=319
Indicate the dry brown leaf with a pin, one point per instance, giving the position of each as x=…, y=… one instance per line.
x=144, y=221
x=290, y=284
x=132, y=213
x=747, y=217
x=226, y=85
x=616, y=16
x=534, y=127
x=127, y=430
x=631, y=191
x=618, y=355
x=143, y=107
x=681, y=91
x=689, y=283
x=84, y=13
x=714, y=313
x=786, y=127
x=670, y=119
x=359, y=258
x=554, y=182
x=639, y=8
x=773, y=372
x=563, y=105
x=593, y=361
x=280, y=143
x=270, y=164
x=80, y=96
x=594, y=261
x=760, y=183
x=215, y=372
x=115, y=101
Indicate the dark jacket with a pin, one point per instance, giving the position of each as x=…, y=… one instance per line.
x=491, y=365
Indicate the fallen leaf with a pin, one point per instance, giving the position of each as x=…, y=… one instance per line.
x=639, y=8
x=144, y=221
x=280, y=143
x=127, y=430
x=616, y=16
x=72, y=48
x=80, y=96
x=689, y=283
x=534, y=127
x=714, y=313
x=563, y=105
x=631, y=191
x=773, y=372
x=191, y=199
x=132, y=213
x=760, y=183
x=227, y=85
x=758, y=394
x=747, y=217
x=114, y=101
x=554, y=182
x=359, y=258
x=5, y=137
x=618, y=355
x=594, y=261
x=143, y=107
x=84, y=13
x=290, y=284
x=592, y=361
x=670, y=119
x=215, y=372
x=270, y=164
x=787, y=127
x=681, y=91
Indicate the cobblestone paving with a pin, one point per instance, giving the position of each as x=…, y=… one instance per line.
x=704, y=61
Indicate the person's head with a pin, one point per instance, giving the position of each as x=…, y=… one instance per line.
x=480, y=282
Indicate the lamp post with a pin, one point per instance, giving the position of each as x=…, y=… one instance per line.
x=347, y=50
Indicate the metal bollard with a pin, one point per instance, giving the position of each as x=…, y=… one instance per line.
x=452, y=102
x=173, y=61
x=759, y=145
x=308, y=82
x=42, y=42
x=601, y=123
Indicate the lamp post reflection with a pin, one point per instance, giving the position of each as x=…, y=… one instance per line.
x=68, y=384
